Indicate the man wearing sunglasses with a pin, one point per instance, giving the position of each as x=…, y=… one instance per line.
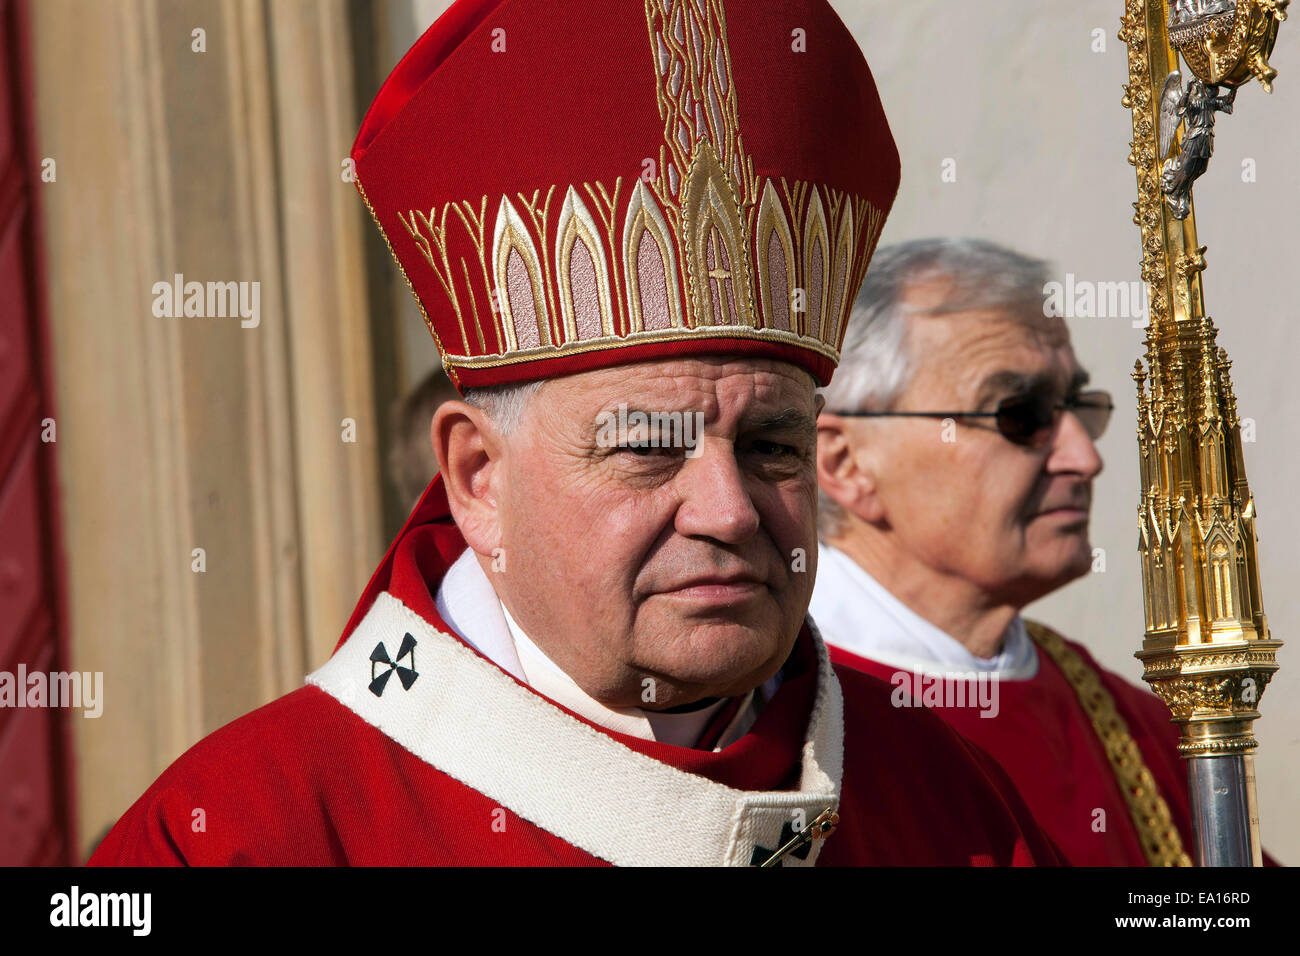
x=955, y=460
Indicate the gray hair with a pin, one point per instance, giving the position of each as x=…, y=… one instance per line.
x=506, y=405
x=875, y=362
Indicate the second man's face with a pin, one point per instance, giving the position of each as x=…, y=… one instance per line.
x=961, y=497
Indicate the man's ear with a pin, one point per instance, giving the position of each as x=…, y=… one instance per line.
x=470, y=450
x=845, y=469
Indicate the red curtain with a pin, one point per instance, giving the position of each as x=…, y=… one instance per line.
x=36, y=795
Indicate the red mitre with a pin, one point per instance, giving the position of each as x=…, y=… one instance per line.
x=573, y=184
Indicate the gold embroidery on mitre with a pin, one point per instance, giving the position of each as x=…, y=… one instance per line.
x=475, y=223
x=690, y=256
x=606, y=204
x=650, y=263
x=589, y=315
x=816, y=267
x=774, y=231
x=436, y=236
x=838, y=290
x=717, y=248
x=696, y=95
x=520, y=291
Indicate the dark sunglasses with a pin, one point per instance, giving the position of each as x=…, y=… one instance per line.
x=1027, y=419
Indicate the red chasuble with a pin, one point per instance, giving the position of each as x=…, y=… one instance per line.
x=1046, y=742
x=410, y=747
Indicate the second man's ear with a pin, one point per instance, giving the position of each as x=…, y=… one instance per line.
x=844, y=468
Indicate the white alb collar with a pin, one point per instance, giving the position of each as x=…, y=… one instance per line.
x=856, y=613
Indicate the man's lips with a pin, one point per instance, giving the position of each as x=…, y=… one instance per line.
x=1065, y=502
x=716, y=587
x=1065, y=511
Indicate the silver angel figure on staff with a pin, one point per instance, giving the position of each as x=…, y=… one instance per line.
x=1195, y=106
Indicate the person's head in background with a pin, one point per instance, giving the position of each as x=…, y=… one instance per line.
x=412, y=463
x=968, y=480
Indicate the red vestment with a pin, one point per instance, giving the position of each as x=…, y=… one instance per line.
x=483, y=770
x=1044, y=739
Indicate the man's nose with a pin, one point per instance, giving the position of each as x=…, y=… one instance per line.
x=714, y=500
x=1073, y=449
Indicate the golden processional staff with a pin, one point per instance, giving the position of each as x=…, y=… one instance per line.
x=1207, y=651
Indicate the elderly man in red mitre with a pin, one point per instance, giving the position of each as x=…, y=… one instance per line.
x=636, y=230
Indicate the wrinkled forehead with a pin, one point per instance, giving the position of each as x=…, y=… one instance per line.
x=725, y=390
x=963, y=355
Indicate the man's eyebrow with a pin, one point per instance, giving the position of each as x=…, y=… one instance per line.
x=790, y=419
x=1011, y=381
x=622, y=412
x=1008, y=381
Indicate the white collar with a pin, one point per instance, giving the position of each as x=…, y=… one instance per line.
x=855, y=612
x=469, y=603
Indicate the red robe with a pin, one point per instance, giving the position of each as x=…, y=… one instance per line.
x=468, y=766
x=1044, y=739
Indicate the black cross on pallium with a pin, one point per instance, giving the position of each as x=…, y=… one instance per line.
x=379, y=658
x=762, y=854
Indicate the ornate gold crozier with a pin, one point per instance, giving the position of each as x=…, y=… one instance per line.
x=1207, y=651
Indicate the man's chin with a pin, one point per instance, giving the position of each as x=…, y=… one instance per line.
x=1057, y=542
x=1070, y=568
x=1046, y=570
x=723, y=660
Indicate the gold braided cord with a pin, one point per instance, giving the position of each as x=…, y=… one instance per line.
x=1151, y=817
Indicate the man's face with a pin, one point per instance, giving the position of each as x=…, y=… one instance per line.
x=962, y=499
x=660, y=576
